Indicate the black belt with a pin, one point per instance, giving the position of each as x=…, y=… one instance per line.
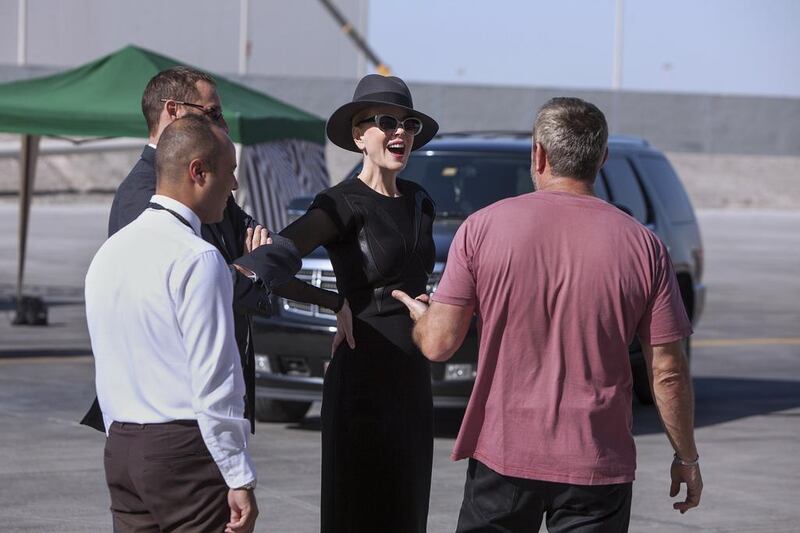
x=185, y=423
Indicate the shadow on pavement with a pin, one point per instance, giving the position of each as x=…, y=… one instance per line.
x=719, y=400
x=11, y=304
x=309, y=423
x=39, y=352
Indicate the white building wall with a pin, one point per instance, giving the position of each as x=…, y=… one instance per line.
x=287, y=37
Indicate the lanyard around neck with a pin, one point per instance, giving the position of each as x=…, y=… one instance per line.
x=159, y=207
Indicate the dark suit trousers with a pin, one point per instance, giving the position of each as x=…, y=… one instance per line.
x=494, y=503
x=162, y=478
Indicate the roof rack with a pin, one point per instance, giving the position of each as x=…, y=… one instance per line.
x=629, y=139
x=485, y=133
x=626, y=139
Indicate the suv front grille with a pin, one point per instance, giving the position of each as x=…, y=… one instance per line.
x=318, y=278
x=319, y=274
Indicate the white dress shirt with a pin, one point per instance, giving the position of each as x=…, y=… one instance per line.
x=158, y=306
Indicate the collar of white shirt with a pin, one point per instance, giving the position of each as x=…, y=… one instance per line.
x=181, y=209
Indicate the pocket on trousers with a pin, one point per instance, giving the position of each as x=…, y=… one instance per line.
x=178, y=461
x=178, y=464
x=491, y=493
x=174, y=445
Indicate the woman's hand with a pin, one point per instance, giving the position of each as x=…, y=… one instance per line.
x=344, y=328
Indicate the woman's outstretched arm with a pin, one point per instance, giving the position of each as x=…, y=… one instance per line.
x=308, y=232
x=314, y=229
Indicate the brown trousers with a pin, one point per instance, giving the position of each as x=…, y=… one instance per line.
x=162, y=478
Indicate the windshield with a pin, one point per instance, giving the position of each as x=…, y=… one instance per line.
x=460, y=184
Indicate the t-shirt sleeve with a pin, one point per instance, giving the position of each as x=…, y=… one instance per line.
x=665, y=318
x=457, y=286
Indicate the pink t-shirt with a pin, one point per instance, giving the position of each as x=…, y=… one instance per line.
x=561, y=284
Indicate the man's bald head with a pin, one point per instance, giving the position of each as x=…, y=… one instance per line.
x=186, y=139
x=195, y=164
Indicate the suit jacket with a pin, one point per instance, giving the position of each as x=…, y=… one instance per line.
x=273, y=264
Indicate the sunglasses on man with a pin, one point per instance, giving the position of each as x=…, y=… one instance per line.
x=411, y=125
x=214, y=113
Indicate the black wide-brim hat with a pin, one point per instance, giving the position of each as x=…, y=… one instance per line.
x=375, y=90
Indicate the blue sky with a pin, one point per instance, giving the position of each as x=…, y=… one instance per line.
x=716, y=46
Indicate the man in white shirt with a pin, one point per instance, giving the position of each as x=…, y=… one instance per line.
x=168, y=373
x=174, y=93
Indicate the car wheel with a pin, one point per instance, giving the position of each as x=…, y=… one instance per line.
x=269, y=410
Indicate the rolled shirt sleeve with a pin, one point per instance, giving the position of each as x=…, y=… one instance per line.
x=202, y=298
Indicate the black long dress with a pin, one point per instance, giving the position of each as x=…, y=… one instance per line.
x=377, y=414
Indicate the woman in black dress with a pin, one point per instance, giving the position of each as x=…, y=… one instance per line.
x=377, y=414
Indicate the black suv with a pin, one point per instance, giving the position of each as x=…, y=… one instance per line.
x=463, y=173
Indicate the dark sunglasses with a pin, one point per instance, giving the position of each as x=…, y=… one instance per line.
x=214, y=113
x=411, y=125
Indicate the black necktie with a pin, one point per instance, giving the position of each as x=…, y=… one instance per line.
x=153, y=205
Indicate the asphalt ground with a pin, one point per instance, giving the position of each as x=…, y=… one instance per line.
x=746, y=366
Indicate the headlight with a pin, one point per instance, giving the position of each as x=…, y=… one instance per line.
x=433, y=282
x=459, y=372
x=262, y=364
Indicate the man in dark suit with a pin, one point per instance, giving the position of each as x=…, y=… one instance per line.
x=169, y=95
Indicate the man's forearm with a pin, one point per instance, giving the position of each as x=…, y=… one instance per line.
x=440, y=331
x=674, y=397
x=436, y=347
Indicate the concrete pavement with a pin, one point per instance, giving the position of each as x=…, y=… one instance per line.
x=746, y=362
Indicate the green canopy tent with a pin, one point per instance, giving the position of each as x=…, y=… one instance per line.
x=103, y=99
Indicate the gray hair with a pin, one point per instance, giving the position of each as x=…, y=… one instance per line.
x=574, y=134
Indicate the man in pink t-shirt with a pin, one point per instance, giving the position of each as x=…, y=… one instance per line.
x=561, y=282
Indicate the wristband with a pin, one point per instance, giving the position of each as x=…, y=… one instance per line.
x=678, y=460
x=247, y=486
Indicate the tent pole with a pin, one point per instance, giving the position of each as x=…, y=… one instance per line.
x=28, y=154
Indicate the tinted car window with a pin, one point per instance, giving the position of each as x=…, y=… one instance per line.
x=659, y=172
x=600, y=188
x=461, y=184
x=624, y=187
